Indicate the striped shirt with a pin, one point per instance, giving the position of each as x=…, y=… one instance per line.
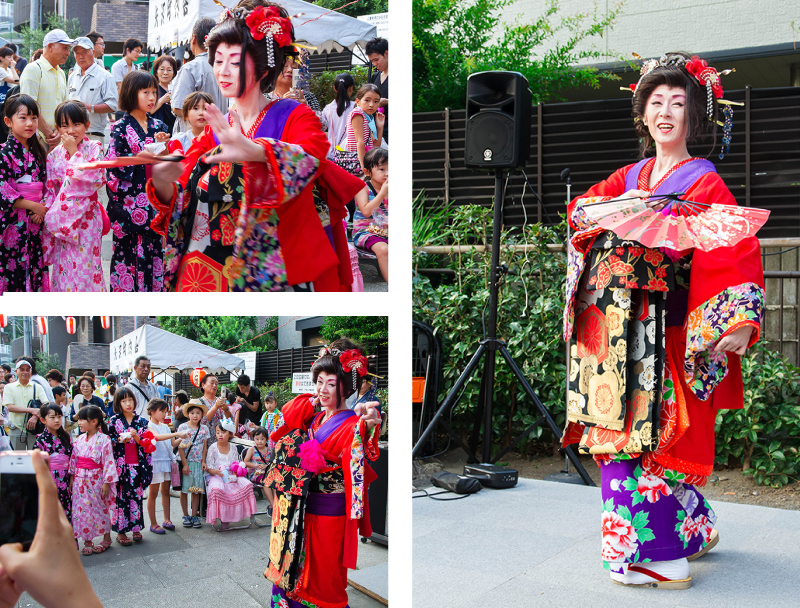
x=351, y=136
x=47, y=84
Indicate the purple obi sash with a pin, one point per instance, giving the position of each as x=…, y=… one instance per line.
x=330, y=505
x=334, y=423
x=274, y=120
x=59, y=462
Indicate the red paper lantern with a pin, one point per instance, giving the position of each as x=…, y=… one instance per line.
x=3, y=320
x=197, y=376
x=41, y=323
x=71, y=325
x=105, y=322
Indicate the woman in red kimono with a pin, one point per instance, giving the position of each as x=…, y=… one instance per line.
x=336, y=504
x=656, y=339
x=238, y=213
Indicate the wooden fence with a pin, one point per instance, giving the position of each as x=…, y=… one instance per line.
x=594, y=138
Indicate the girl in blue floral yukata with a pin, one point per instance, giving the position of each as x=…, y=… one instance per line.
x=656, y=338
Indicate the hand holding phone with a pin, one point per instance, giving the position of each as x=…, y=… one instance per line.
x=52, y=564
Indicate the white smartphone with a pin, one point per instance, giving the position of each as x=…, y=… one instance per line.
x=295, y=78
x=19, y=499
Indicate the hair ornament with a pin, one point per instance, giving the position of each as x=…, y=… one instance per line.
x=706, y=76
x=264, y=24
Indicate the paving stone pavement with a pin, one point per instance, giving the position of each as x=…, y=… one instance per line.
x=538, y=544
x=197, y=567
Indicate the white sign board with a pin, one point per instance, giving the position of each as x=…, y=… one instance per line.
x=380, y=21
x=249, y=365
x=123, y=352
x=301, y=383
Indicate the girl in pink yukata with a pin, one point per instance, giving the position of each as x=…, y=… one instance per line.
x=74, y=219
x=93, y=477
x=230, y=498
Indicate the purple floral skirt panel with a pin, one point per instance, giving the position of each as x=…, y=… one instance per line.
x=649, y=518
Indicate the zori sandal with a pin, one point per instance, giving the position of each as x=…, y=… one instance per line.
x=712, y=542
x=658, y=582
x=124, y=540
x=102, y=546
x=88, y=549
x=137, y=536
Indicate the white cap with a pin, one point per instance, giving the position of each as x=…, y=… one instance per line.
x=228, y=425
x=22, y=362
x=57, y=36
x=84, y=42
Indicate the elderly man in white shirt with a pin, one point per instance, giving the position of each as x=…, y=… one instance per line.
x=16, y=397
x=94, y=87
x=143, y=389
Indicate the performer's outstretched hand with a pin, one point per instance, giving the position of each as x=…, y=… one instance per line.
x=735, y=342
x=235, y=147
x=369, y=413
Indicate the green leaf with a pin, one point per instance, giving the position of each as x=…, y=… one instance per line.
x=637, y=472
x=645, y=534
x=624, y=512
x=608, y=505
x=640, y=520
x=630, y=484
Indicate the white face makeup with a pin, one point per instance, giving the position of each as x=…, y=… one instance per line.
x=665, y=116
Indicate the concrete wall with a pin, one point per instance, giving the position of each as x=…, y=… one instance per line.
x=651, y=28
x=288, y=336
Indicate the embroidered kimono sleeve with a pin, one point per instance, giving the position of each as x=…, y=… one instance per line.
x=113, y=431
x=70, y=208
x=292, y=163
x=110, y=474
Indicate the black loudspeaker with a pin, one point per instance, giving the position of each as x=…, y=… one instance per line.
x=498, y=133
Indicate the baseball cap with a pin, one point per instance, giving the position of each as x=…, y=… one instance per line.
x=83, y=42
x=57, y=36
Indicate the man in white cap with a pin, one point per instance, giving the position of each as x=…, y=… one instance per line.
x=94, y=87
x=45, y=81
x=16, y=397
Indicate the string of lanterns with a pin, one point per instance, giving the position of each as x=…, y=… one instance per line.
x=72, y=325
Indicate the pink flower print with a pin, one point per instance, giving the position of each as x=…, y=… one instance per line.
x=651, y=487
x=139, y=250
x=139, y=216
x=118, y=232
x=113, y=184
x=619, y=537
x=10, y=237
x=141, y=200
x=129, y=203
x=158, y=267
x=704, y=526
x=7, y=191
x=274, y=263
x=688, y=529
x=3, y=284
x=12, y=264
x=158, y=286
x=140, y=277
x=173, y=263
x=126, y=282
x=132, y=139
x=121, y=269
x=114, y=281
x=70, y=172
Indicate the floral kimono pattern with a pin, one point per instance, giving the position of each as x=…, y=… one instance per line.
x=251, y=227
x=74, y=221
x=137, y=261
x=21, y=249
x=47, y=442
x=127, y=514
x=91, y=513
x=654, y=435
x=336, y=508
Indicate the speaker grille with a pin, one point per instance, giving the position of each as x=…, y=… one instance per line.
x=490, y=139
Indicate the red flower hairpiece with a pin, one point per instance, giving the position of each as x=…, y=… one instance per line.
x=353, y=360
x=706, y=74
x=263, y=22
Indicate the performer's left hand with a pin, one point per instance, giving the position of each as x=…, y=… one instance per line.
x=235, y=147
x=368, y=413
x=735, y=342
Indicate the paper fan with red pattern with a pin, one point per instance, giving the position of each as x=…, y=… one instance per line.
x=679, y=224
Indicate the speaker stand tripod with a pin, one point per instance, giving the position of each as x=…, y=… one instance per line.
x=487, y=349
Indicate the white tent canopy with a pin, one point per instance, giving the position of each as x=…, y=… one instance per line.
x=170, y=23
x=168, y=353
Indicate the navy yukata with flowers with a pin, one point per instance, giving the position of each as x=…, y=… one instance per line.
x=47, y=442
x=20, y=238
x=127, y=516
x=137, y=263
